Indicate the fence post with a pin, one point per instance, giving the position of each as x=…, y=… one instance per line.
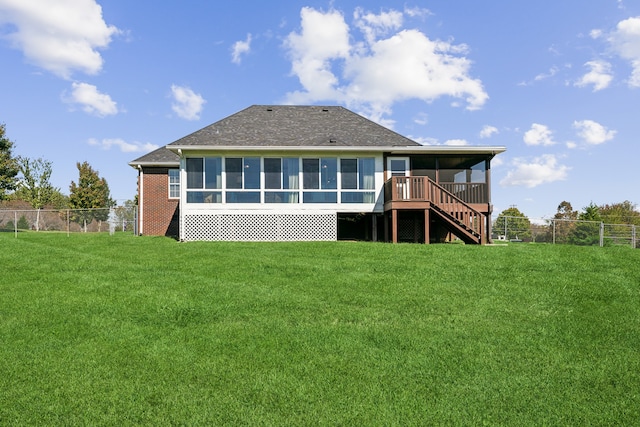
x=633, y=236
x=67, y=222
x=15, y=223
x=601, y=234
x=506, y=236
x=554, y=230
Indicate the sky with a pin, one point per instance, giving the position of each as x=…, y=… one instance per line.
x=555, y=82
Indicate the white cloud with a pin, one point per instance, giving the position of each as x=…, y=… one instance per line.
x=424, y=140
x=240, y=48
x=488, y=131
x=379, y=71
x=497, y=161
x=419, y=12
x=324, y=37
x=571, y=145
x=374, y=26
x=456, y=142
x=125, y=147
x=421, y=119
x=625, y=41
x=599, y=76
x=552, y=72
x=186, y=103
x=595, y=33
x=62, y=37
x=538, y=135
x=91, y=100
x=541, y=170
x=593, y=133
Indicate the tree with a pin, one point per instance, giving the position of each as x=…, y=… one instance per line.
x=8, y=165
x=620, y=213
x=90, y=197
x=23, y=224
x=34, y=186
x=513, y=223
x=563, y=222
x=586, y=232
x=125, y=214
x=565, y=211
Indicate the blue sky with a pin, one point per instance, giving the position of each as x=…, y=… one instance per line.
x=556, y=82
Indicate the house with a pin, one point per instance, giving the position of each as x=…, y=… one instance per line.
x=276, y=173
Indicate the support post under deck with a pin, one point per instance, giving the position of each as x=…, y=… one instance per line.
x=427, y=221
x=394, y=225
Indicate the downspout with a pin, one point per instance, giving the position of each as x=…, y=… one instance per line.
x=487, y=180
x=180, y=204
x=140, y=199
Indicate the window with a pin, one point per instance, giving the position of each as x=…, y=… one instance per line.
x=273, y=180
x=213, y=172
x=195, y=171
x=310, y=173
x=273, y=174
x=233, y=169
x=204, y=197
x=320, y=197
x=243, y=173
x=367, y=173
x=329, y=174
x=349, y=169
x=281, y=174
x=398, y=166
x=174, y=183
x=320, y=174
x=204, y=174
x=357, y=174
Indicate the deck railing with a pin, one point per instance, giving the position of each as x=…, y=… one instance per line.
x=468, y=192
x=412, y=188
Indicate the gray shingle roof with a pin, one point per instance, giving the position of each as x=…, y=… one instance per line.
x=161, y=156
x=291, y=126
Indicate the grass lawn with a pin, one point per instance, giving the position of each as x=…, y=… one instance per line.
x=124, y=330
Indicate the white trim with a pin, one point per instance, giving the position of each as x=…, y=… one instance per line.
x=141, y=201
x=421, y=149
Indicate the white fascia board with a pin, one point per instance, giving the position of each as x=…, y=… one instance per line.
x=154, y=164
x=422, y=149
x=447, y=149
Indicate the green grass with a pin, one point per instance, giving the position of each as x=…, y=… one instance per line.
x=123, y=330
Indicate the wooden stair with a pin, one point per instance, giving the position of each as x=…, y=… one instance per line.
x=462, y=220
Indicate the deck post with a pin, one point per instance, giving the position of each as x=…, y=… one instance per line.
x=374, y=228
x=394, y=225
x=426, y=226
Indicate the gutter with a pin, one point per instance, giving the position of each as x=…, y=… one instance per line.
x=419, y=149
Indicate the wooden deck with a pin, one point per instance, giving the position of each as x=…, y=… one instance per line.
x=459, y=206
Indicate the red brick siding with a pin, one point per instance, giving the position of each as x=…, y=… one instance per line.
x=159, y=212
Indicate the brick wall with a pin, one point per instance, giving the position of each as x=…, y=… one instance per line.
x=159, y=212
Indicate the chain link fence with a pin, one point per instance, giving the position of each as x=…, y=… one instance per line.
x=563, y=231
x=110, y=220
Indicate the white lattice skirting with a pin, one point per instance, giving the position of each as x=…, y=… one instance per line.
x=260, y=227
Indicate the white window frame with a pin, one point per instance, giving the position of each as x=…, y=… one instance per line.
x=172, y=185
